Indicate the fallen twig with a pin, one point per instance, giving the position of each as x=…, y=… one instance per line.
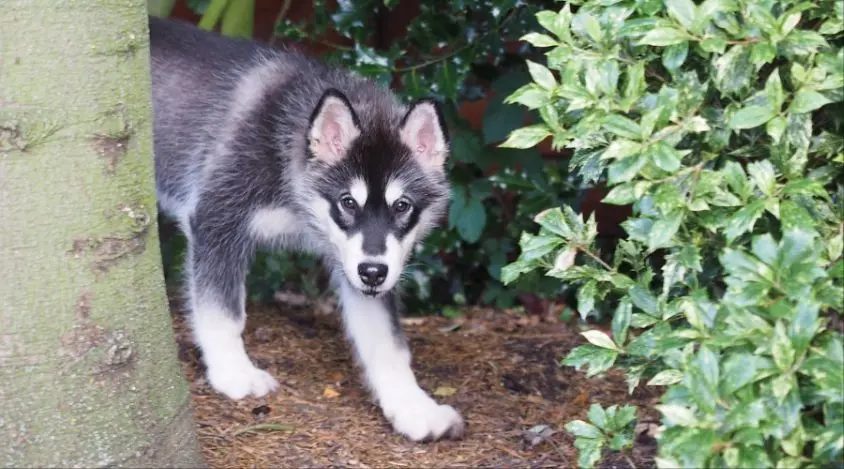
x=270, y=427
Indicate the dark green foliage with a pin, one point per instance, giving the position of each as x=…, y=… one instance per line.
x=721, y=123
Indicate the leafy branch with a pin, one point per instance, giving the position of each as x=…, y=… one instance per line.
x=736, y=239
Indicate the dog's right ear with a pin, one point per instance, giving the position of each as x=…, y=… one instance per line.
x=332, y=128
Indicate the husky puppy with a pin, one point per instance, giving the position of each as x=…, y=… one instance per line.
x=257, y=146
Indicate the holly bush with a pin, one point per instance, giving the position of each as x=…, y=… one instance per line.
x=720, y=123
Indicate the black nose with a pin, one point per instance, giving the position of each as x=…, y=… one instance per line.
x=372, y=274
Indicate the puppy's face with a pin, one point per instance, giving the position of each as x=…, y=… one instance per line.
x=377, y=190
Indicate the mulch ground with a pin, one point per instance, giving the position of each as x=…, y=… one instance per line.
x=498, y=368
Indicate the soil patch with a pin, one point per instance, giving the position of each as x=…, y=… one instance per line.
x=499, y=369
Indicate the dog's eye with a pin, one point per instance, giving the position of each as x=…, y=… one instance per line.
x=401, y=206
x=348, y=202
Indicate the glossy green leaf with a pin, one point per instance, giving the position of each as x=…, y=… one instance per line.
x=625, y=169
x=744, y=414
x=622, y=126
x=734, y=70
x=634, y=84
x=531, y=96
x=555, y=221
x=586, y=298
x=579, y=428
x=608, y=74
x=589, y=451
x=512, y=271
x=743, y=221
x=642, y=320
x=781, y=347
x=665, y=157
x=597, y=359
x=674, y=56
x=751, y=116
x=832, y=27
x=774, y=91
x=593, y=27
x=541, y=75
x=788, y=23
x=677, y=415
x=625, y=416
x=794, y=216
x=621, y=321
x=762, y=53
x=763, y=175
x=806, y=100
x=600, y=339
x=539, y=40
x=643, y=299
x=803, y=327
x=621, y=148
x=682, y=11
x=740, y=369
x=664, y=37
x=707, y=363
x=663, y=231
x=527, y=137
x=562, y=23
x=621, y=195
x=470, y=219
x=741, y=264
x=535, y=247
x=666, y=378
x=597, y=416
x=621, y=441
x=548, y=20
x=775, y=128
x=563, y=261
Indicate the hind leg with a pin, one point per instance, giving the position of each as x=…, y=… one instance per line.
x=372, y=325
x=217, y=266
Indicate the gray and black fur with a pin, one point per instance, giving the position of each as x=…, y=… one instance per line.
x=258, y=146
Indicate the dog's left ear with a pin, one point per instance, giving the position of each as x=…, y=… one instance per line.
x=423, y=130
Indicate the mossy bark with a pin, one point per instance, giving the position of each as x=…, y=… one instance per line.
x=88, y=369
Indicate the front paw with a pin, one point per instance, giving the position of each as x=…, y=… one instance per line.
x=425, y=420
x=237, y=382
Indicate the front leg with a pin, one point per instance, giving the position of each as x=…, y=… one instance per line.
x=372, y=326
x=217, y=265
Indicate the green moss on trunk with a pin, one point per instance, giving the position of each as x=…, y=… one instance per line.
x=88, y=368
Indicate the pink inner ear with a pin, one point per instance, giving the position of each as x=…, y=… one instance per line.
x=422, y=134
x=333, y=134
x=425, y=137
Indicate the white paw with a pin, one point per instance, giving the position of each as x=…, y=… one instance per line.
x=425, y=420
x=237, y=382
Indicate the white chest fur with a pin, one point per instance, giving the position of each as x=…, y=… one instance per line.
x=272, y=224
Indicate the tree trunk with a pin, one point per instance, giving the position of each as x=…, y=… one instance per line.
x=88, y=368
